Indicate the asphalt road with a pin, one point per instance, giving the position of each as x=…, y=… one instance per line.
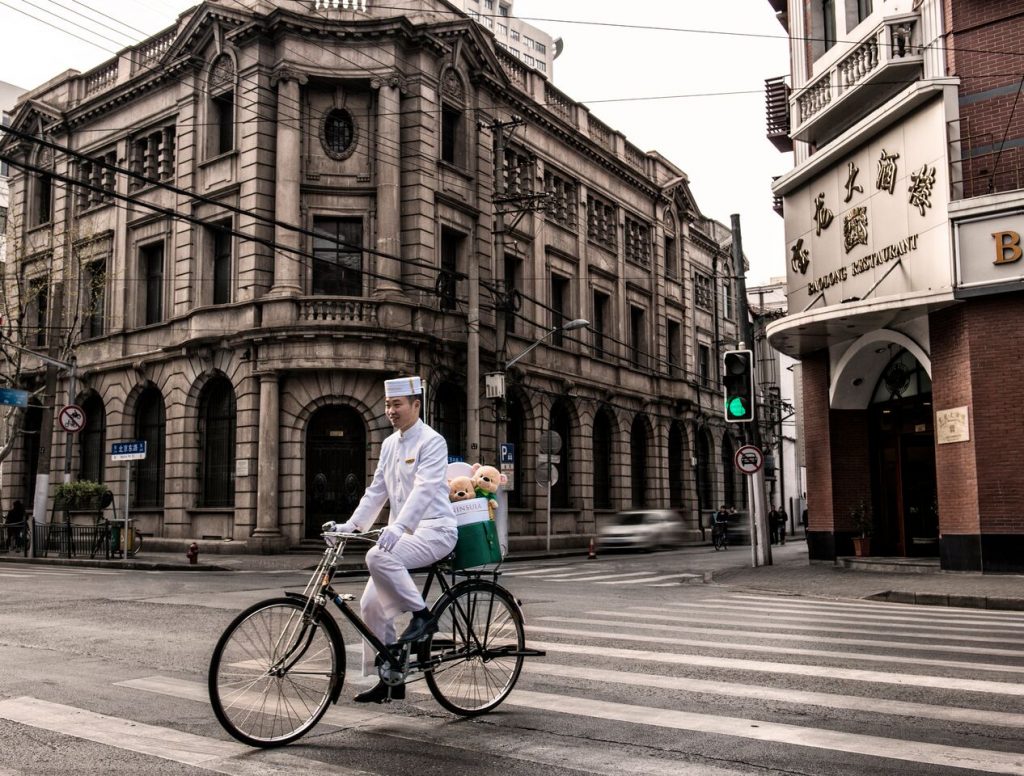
x=649, y=671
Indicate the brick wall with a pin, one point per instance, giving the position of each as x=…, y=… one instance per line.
x=997, y=373
x=851, y=468
x=955, y=466
x=985, y=41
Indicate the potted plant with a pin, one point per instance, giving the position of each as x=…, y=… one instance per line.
x=864, y=523
x=79, y=496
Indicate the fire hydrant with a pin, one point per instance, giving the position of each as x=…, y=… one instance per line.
x=193, y=554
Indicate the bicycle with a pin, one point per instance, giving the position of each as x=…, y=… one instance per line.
x=720, y=536
x=280, y=663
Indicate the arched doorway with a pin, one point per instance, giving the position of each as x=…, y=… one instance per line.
x=903, y=461
x=602, y=449
x=676, y=465
x=705, y=475
x=728, y=473
x=335, y=466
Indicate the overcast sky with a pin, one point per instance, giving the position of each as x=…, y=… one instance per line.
x=612, y=61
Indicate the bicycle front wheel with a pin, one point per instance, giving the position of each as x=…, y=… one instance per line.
x=477, y=651
x=275, y=671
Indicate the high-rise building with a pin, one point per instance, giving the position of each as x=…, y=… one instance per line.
x=530, y=45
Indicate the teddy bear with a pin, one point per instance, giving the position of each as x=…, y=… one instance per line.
x=460, y=489
x=486, y=480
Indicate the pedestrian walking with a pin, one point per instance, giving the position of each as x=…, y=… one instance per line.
x=773, y=526
x=412, y=475
x=783, y=518
x=14, y=525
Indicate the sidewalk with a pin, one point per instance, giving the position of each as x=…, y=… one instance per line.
x=791, y=573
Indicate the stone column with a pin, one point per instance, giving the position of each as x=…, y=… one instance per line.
x=389, y=172
x=267, y=536
x=288, y=264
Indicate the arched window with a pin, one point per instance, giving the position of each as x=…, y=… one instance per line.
x=148, y=474
x=561, y=424
x=602, y=460
x=638, y=441
x=220, y=118
x=217, y=443
x=705, y=491
x=453, y=130
x=450, y=417
x=728, y=472
x=92, y=440
x=514, y=429
x=676, y=465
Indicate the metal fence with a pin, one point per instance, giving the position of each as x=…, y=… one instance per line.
x=14, y=538
x=65, y=540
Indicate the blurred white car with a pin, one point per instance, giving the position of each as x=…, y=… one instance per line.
x=644, y=529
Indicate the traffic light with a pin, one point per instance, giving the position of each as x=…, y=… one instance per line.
x=739, y=386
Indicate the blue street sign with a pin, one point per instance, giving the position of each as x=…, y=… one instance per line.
x=128, y=451
x=14, y=397
x=508, y=453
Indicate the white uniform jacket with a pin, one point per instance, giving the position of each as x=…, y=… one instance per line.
x=412, y=473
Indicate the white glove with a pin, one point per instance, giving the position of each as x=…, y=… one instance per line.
x=332, y=527
x=389, y=537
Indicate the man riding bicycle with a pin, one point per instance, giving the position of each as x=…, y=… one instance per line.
x=412, y=475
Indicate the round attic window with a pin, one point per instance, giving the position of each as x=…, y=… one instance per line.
x=339, y=133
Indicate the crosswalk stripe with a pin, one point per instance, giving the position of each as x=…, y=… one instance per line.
x=588, y=575
x=827, y=611
x=800, y=624
x=796, y=615
x=912, y=610
x=763, y=634
x=210, y=754
x=774, y=650
x=529, y=572
x=648, y=579
x=583, y=755
x=640, y=656
x=776, y=733
x=782, y=695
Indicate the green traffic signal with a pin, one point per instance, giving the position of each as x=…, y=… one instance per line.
x=737, y=408
x=738, y=386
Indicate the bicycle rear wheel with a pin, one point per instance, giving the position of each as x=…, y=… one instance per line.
x=275, y=671
x=477, y=648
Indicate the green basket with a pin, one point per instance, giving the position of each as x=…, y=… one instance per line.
x=477, y=545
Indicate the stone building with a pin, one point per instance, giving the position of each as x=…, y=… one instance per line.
x=903, y=223
x=249, y=353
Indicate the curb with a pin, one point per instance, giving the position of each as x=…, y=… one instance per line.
x=133, y=565
x=939, y=599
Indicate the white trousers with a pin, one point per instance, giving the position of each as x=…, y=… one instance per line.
x=391, y=589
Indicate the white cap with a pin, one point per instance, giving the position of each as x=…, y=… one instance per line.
x=402, y=386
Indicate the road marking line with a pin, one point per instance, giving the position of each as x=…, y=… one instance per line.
x=528, y=572
x=639, y=656
x=583, y=754
x=803, y=697
x=211, y=754
x=916, y=610
x=774, y=650
x=748, y=634
x=827, y=611
x=798, y=624
x=592, y=576
x=776, y=733
x=585, y=572
x=650, y=579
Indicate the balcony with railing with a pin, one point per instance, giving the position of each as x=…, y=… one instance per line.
x=885, y=61
x=776, y=98
x=984, y=163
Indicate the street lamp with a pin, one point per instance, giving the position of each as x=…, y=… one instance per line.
x=496, y=390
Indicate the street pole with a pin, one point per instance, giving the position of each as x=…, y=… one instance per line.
x=69, y=437
x=760, y=547
x=41, y=495
x=500, y=327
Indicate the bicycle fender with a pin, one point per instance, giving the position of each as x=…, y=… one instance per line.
x=335, y=633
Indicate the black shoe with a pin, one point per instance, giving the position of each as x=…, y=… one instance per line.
x=379, y=693
x=419, y=628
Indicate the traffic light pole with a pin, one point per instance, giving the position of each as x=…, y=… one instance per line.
x=760, y=544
